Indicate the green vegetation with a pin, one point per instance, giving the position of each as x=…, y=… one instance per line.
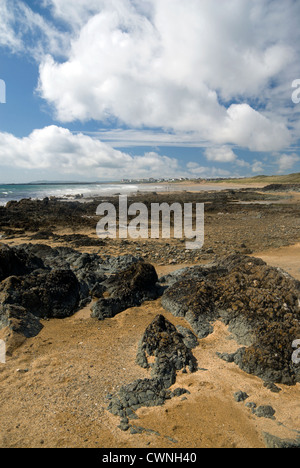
x=262, y=179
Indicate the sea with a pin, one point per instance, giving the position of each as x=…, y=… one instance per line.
x=84, y=191
x=67, y=192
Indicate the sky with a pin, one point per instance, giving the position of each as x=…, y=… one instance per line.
x=113, y=89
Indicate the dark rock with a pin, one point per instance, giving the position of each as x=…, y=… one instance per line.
x=137, y=430
x=192, y=300
x=124, y=426
x=129, y=288
x=260, y=305
x=15, y=262
x=226, y=357
x=272, y=387
x=90, y=269
x=273, y=442
x=179, y=392
x=108, y=308
x=79, y=240
x=162, y=340
x=42, y=235
x=20, y=321
x=240, y=396
x=114, y=265
x=139, y=280
x=189, y=339
x=265, y=412
x=251, y=405
x=147, y=392
x=45, y=294
x=282, y=188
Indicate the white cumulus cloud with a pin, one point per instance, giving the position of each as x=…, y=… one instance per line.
x=56, y=148
x=223, y=154
x=287, y=161
x=209, y=73
x=204, y=67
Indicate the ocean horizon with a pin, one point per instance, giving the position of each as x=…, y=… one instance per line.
x=70, y=191
x=65, y=191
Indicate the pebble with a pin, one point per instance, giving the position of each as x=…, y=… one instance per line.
x=240, y=396
x=22, y=371
x=265, y=412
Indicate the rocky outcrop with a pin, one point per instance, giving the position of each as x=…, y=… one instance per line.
x=45, y=294
x=16, y=325
x=129, y=288
x=18, y=320
x=162, y=341
x=273, y=442
x=282, y=188
x=37, y=281
x=147, y=392
x=260, y=305
x=17, y=262
x=90, y=269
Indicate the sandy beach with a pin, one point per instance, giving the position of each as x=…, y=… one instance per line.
x=149, y=227
x=54, y=386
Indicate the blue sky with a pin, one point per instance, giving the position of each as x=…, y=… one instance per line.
x=105, y=90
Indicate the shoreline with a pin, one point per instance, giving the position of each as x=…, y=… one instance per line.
x=113, y=189
x=55, y=384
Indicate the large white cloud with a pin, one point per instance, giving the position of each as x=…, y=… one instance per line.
x=223, y=154
x=211, y=73
x=57, y=149
x=287, y=161
x=215, y=69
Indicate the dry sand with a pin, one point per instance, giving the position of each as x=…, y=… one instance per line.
x=287, y=258
x=53, y=388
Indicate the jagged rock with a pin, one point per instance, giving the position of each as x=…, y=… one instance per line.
x=273, y=442
x=193, y=300
x=227, y=357
x=108, y=308
x=139, y=279
x=260, y=305
x=17, y=324
x=19, y=320
x=162, y=340
x=45, y=294
x=128, y=288
x=189, y=339
x=240, y=396
x=147, y=392
x=17, y=263
x=138, y=394
x=90, y=269
x=54, y=282
x=265, y=412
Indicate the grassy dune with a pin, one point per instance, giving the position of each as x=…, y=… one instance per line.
x=262, y=179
